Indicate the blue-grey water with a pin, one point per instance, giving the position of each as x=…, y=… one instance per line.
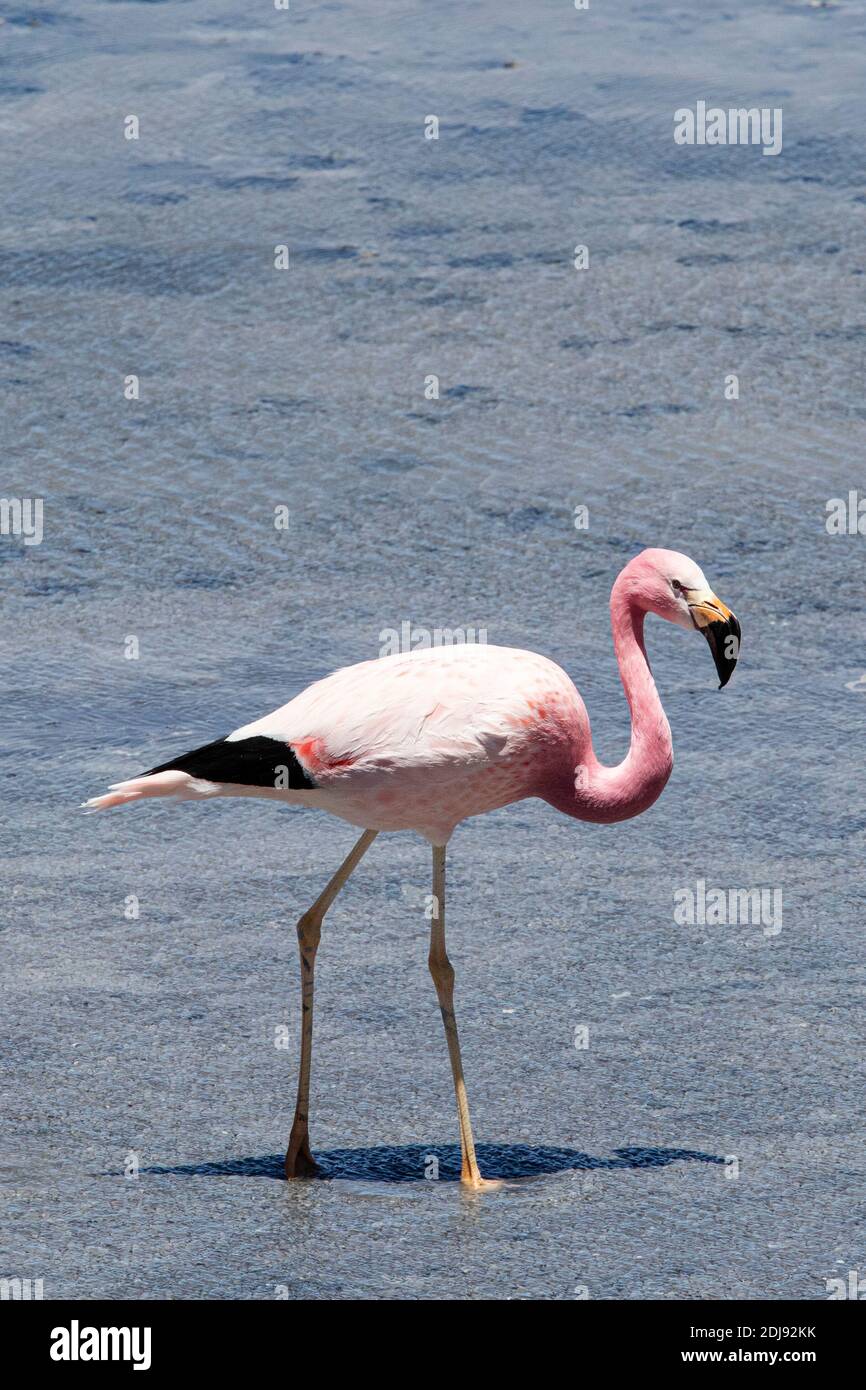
x=708, y=1141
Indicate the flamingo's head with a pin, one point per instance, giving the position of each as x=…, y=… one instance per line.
x=674, y=587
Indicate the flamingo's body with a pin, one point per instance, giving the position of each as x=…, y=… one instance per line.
x=416, y=741
x=423, y=740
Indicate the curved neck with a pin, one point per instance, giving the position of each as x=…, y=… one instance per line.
x=617, y=793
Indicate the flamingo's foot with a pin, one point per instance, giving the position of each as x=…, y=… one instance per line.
x=473, y=1182
x=299, y=1161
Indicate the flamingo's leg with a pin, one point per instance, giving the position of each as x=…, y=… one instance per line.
x=299, y=1160
x=443, y=978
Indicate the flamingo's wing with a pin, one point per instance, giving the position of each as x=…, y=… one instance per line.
x=441, y=709
x=252, y=762
x=439, y=714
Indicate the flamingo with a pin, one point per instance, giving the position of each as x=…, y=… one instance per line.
x=422, y=740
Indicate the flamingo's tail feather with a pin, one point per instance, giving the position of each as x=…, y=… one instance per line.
x=251, y=762
x=172, y=783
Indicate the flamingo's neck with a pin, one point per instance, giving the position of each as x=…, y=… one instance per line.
x=617, y=793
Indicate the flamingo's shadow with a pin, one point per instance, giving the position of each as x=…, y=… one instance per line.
x=412, y=1162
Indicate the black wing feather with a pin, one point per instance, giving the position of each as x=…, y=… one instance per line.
x=248, y=762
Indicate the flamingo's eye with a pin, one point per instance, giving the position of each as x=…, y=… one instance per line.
x=676, y=586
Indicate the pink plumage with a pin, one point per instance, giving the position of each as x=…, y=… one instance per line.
x=422, y=740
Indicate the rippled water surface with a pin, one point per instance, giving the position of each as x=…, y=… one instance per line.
x=304, y=388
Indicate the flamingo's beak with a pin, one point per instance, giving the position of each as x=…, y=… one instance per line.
x=722, y=631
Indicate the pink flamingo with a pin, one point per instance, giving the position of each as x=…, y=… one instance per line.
x=422, y=740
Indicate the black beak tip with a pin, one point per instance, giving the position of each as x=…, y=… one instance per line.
x=723, y=639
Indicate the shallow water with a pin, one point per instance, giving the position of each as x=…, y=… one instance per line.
x=305, y=388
